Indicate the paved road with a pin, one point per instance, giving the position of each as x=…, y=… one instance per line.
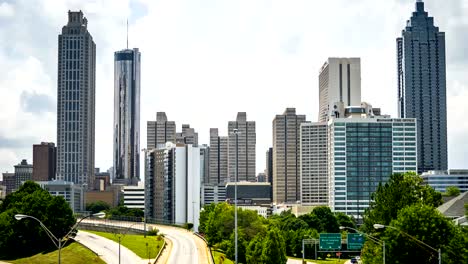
x=186, y=247
x=107, y=249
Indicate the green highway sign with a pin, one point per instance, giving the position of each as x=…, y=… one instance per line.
x=330, y=241
x=355, y=241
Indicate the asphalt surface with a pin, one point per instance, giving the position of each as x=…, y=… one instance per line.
x=107, y=249
x=184, y=248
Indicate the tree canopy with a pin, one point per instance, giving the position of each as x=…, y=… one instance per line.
x=97, y=207
x=26, y=237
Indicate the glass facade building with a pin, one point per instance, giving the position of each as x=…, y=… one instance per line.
x=422, y=87
x=127, y=116
x=441, y=180
x=364, y=152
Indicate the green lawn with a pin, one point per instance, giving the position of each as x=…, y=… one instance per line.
x=327, y=261
x=74, y=253
x=136, y=243
x=220, y=258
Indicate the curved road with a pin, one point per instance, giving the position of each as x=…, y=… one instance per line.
x=186, y=247
x=107, y=249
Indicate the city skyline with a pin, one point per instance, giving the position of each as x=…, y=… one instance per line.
x=280, y=57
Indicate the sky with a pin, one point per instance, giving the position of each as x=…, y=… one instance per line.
x=203, y=61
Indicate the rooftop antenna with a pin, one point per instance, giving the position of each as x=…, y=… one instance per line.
x=127, y=33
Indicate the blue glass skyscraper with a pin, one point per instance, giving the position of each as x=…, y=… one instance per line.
x=422, y=87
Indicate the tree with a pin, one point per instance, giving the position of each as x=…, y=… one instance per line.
x=253, y=253
x=26, y=237
x=123, y=211
x=344, y=220
x=452, y=191
x=97, y=207
x=424, y=223
x=322, y=219
x=204, y=215
x=274, y=249
x=400, y=191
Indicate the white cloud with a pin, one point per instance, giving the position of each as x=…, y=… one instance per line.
x=203, y=61
x=6, y=10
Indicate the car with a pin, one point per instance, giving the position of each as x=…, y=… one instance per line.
x=354, y=261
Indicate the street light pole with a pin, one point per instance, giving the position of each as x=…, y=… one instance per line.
x=236, y=132
x=439, y=251
x=57, y=241
x=378, y=241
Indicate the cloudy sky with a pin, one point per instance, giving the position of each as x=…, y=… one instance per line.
x=203, y=61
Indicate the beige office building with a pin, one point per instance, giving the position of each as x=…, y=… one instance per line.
x=241, y=149
x=286, y=163
x=160, y=131
x=218, y=158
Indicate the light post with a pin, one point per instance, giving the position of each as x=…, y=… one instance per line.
x=57, y=241
x=236, y=132
x=439, y=251
x=376, y=240
x=122, y=234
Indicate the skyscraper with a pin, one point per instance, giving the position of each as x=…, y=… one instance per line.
x=339, y=85
x=127, y=116
x=314, y=163
x=160, y=131
x=44, y=161
x=218, y=173
x=241, y=149
x=286, y=163
x=76, y=84
x=187, y=136
x=422, y=87
x=23, y=172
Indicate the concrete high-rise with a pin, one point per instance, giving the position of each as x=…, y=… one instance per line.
x=241, y=149
x=314, y=163
x=187, y=136
x=422, y=90
x=76, y=88
x=339, y=85
x=286, y=163
x=173, y=184
x=218, y=172
x=160, y=131
x=127, y=116
x=44, y=161
x=269, y=165
x=23, y=172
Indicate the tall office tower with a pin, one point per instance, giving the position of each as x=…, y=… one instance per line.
x=241, y=149
x=160, y=131
x=269, y=165
x=44, y=161
x=286, y=163
x=204, y=163
x=127, y=116
x=422, y=87
x=173, y=184
x=314, y=163
x=76, y=102
x=339, y=85
x=23, y=172
x=218, y=158
x=187, y=136
x=363, y=151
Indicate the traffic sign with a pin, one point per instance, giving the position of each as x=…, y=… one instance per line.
x=330, y=241
x=355, y=241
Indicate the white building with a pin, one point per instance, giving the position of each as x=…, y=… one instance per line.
x=173, y=184
x=339, y=81
x=134, y=196
x=213, y=193
x=363, y=151
x=72, y=193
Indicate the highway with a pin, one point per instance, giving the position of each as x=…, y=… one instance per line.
x=107, y=249
x=186, y=247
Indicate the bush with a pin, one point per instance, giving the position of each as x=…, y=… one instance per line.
x=153, y=232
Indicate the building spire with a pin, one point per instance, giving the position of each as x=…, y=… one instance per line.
x=127, y=33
